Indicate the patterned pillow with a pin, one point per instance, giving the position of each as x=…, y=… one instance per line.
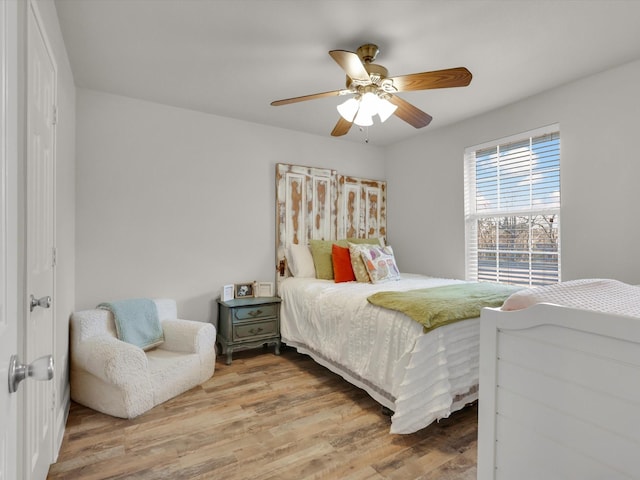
x=380, y=264
x=359, y=270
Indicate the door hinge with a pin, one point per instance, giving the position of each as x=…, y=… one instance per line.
x=54, y=115
x=53, y=257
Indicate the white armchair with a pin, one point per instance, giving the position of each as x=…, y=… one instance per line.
x=121, y=379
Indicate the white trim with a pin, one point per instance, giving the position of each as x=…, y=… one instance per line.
x=61, y=420
x=553, y=128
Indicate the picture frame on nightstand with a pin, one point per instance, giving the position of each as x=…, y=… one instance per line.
x=264, y=289
x=244, y=290
x=227, y=293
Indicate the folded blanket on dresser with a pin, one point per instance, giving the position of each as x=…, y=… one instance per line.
x=137, y=321
x=434, y=307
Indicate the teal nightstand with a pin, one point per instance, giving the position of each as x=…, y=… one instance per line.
x=248, y=323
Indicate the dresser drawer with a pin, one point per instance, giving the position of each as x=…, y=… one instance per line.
x=241, y=314
x=267, y=328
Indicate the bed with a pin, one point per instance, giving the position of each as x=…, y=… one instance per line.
x=560, y=383
x=420, y=377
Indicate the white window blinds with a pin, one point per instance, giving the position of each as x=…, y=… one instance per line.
x=512, y=209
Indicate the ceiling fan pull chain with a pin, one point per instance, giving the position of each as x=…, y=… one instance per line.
x=365, y=130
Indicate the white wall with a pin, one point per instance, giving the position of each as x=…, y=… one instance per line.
x=600, y=172
x=176, y=203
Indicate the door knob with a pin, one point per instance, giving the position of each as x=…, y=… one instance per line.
x=39, y=369
x=44, y=302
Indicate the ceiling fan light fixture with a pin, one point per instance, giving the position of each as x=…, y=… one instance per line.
x=369, y=103
x=368, y=108
x=363, y=119
x=385, y=109
x=348, y=109
x=361, y=109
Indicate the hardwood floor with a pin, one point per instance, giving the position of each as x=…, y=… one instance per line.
x=265, y=417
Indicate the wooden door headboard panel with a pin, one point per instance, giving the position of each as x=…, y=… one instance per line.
x=362, y=208
x=318, y=203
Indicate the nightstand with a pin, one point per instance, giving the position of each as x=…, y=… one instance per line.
x=248, y=323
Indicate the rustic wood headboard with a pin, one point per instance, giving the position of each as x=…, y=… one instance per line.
x=319, y=203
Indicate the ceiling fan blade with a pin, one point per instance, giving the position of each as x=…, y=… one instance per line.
x=351, y=64
x=451, y=77
x=287, y=101
x=341, y=128
x=410, y=114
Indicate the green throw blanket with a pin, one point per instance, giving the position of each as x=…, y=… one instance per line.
x=437, y=306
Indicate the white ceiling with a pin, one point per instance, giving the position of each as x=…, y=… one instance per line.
x=233, y=57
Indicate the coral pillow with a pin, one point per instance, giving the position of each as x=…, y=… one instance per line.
x=342, y=269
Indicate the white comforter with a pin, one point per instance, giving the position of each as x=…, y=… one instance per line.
x=421, y=377
x=598, y=294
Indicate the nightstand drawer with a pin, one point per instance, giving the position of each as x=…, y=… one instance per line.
x=255, y=329
x=242, y=314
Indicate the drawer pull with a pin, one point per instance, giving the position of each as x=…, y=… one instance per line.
x=254, y=331
x=255, y=313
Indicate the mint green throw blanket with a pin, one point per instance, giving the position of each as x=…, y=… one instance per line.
x=137, y=321
x=437, y=306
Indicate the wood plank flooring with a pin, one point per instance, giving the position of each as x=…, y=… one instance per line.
x=265, y=417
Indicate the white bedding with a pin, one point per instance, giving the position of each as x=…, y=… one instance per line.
x=597, y=294
x=421, y=377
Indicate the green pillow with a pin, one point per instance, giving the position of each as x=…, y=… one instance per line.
x=321, y=253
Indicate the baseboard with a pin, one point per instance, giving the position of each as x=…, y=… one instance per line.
x=61, y=421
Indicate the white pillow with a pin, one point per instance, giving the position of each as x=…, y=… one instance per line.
x=300, y=261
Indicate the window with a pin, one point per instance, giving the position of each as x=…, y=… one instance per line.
x=512, y=209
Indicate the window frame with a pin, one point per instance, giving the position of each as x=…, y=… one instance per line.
x=471, y=215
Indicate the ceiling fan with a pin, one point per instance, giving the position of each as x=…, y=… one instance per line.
x=374, y=91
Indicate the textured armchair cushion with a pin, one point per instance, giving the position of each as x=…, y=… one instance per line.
x=111, y=360
x=187, y=336
x=91, y=323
